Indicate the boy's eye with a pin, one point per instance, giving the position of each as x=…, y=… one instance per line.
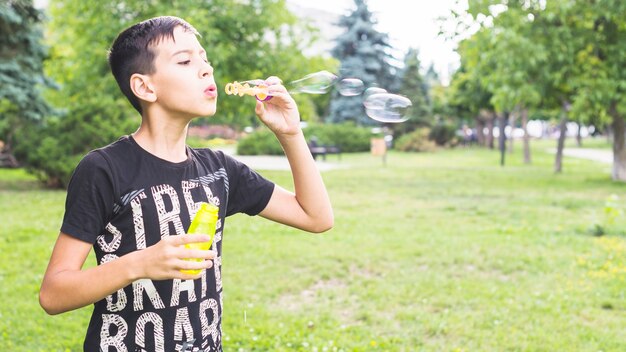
x=186, y=62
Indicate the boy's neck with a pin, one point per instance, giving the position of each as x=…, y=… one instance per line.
x=164, y=138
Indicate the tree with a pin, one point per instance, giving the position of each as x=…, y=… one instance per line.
x=600, y=82
x=470, y=99
x=469, y=90
x=513, y=64
x=414, y=87
x=244, y=40
x=572, y=55
x=21, y=74
x=361, y=52
x=431, y=79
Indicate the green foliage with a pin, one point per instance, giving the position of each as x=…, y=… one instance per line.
x=612, y=214
x=415, y=88
x=54, y=150
x=95, y=111
x=361, y=51
x=416, y=141
x=347, y=136
x=21, y=71
x=444, y=133
x=538, y=55
x=260, y=142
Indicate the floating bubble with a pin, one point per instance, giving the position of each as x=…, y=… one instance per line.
x=349, y=87
x=315, y=83
x=371, y=91
x=386, y=107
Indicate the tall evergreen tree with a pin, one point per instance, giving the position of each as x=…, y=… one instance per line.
x=21, y=73
x=361, y=51
x=414, y=87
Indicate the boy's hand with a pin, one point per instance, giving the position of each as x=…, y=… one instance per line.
x=280, y=113
x=165, y=259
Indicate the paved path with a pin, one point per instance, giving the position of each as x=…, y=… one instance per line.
x=600, y=155
x=272, y=162
x=276, y=162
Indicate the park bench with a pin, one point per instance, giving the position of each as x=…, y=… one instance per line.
x=321, y=150
x=8, y=160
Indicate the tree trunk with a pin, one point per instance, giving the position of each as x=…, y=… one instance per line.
x=619, y=150
x=490, y=123
x=527, y=159
x=579, y=137
x=558, y=162
x=502, y=119
x=513, y=116
x=480, y=134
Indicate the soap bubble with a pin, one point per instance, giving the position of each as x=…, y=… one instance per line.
x=349, y=87
x=386, y=107
x=371, y=91
x=315, y=83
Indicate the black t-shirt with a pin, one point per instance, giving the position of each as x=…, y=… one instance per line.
x=121, y=199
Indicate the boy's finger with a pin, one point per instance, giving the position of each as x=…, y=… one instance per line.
x=275, y=89
x=184, y=239
x=199, y=254
x=281, y=98
x=205, y=265
x=273, y=80
x=259, y=109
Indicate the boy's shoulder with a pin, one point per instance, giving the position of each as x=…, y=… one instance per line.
x=105, y=156
x=120, y=146
x=208, y=153
x=212, y=159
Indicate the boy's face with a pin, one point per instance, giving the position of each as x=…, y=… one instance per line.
x=183, y=79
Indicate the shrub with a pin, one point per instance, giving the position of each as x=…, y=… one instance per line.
x=444, y=134
x=260, y=142
x=416, y=141
x=347, y=136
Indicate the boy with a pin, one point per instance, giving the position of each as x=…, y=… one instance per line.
x=133, y=199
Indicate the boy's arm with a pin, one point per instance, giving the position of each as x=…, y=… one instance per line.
x=309, y=207
x=66, y=286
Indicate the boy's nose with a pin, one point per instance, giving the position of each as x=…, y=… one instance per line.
x=206, y=71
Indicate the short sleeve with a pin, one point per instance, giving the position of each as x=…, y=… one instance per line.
x=90, y=199
x=248, y=192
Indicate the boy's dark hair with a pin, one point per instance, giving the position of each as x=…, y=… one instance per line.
x=133, y=50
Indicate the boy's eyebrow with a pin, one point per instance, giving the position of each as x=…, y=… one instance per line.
x=187, y=51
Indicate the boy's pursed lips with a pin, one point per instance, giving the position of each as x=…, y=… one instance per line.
x=211, y=91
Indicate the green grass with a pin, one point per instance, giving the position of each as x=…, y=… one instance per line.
x=433, y=252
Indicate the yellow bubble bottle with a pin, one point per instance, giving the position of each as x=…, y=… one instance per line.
x=203, y=223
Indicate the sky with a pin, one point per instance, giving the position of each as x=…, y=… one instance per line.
x=408, y=24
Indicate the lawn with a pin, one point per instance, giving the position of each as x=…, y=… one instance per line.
x=445, y=251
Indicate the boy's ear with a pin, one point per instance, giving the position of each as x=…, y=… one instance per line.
x=142, y=87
